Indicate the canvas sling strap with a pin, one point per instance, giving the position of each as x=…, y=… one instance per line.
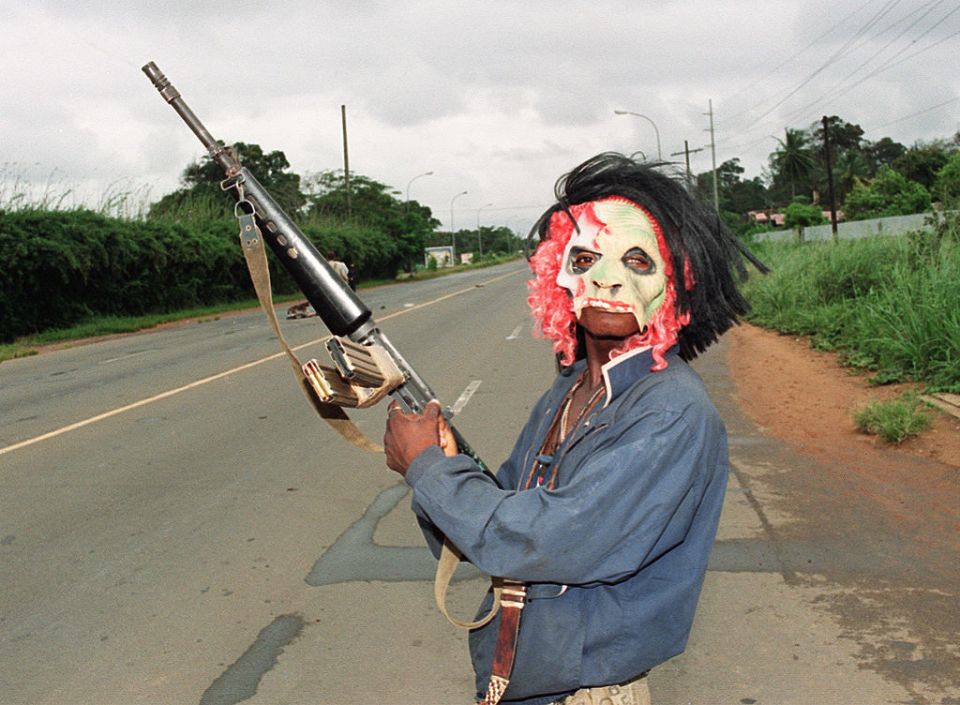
x=509, y=597
x=513, y=594
x=324, y=387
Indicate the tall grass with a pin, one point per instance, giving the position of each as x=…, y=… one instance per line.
x=888, y=304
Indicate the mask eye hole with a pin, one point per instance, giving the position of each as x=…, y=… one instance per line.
x=639, y=261
x=581, y=260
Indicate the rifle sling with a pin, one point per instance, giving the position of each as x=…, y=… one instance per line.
x=255, y=254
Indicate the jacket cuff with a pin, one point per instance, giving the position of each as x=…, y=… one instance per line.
x=427, y=458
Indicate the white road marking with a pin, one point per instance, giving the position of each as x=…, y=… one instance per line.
x=206, y=380
x=515, y=334
x=465, y=397
x=122, y=357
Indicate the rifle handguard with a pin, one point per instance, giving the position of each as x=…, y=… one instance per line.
x=364, y=374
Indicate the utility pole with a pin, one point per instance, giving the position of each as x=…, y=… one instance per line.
x=833, y=200
x=346, y=158
x=713, y=154
x=686, y=154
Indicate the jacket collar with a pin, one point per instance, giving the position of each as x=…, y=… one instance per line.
x=621, y=372
x=624, y=370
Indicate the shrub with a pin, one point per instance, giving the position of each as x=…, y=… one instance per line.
x=894, y=421
x=886, y=304
x=889, y=193
x=799, y=214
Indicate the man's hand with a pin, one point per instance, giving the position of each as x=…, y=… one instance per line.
x=408, y=435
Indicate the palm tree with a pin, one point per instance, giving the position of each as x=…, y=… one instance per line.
x=794, y=161
x=851, y=168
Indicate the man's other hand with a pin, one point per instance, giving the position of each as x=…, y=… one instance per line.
x=407, y=435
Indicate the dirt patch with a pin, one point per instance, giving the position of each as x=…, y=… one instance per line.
x=877, y=523
x=805, y=397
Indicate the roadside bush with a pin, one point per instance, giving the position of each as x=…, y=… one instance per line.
x=894, y=421
x=64, y=266
x=889, y=193
x=886, y=304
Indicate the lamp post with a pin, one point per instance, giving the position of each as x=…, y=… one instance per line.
x=656, y=131
x=453, y=232
x=479, y=234
x=426, y=173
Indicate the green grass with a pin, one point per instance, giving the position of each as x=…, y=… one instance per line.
x=888, y=305
x=894, y=421
x=112, y=325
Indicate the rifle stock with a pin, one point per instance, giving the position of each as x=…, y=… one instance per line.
x=340, y=309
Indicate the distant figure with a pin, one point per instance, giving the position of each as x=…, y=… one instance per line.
x=339, y=267
x=354, y=277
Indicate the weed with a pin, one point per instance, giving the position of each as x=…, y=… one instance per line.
x=894, y=421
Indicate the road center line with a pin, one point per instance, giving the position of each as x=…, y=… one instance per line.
x=220, y=375
x=465, y=397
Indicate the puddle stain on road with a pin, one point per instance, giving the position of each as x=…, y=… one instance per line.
x=355, y=557
x=241, y=680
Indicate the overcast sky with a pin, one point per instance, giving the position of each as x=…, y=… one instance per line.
x=495, y=98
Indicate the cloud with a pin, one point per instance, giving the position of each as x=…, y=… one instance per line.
x=499, y=98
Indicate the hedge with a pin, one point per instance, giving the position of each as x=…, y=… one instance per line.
x=61, y=267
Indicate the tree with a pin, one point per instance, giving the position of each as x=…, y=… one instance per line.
x=883, y=152
x=737, y=197
x=201, y=184
x=794, y=162
x=373, y=204
x=846, y=138
x=947, y=185
x=923, y=160
x=850, y=169
x=889, y=193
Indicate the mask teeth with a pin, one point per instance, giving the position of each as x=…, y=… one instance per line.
x=617, y=306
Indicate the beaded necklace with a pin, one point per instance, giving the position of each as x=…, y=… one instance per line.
x=558, y=431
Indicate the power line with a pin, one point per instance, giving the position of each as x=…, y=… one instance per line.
x=913, y=115
x=832, y=28
x=839, y=89
x=888, y=64
x=836, y=55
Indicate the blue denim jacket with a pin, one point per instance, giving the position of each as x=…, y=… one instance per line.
x=616, y=553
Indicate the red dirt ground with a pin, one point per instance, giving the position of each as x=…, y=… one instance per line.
x=805, y=397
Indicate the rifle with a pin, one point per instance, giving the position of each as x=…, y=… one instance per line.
x=368, y=366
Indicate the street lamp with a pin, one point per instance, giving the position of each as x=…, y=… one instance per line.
x=479, y=234
x=628, y=112
x=453, y=232
x=426, y=173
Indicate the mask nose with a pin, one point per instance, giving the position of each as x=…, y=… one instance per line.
x=606, y=277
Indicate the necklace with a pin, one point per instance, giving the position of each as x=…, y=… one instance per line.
x=587, y=407
x=556, y=432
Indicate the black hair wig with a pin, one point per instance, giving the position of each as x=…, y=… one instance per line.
x=700, y=244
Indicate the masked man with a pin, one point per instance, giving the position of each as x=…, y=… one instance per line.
x=607, y=508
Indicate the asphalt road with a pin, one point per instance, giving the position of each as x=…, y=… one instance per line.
x=176, y=526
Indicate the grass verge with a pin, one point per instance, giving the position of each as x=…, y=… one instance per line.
x=885, y=304
x=894, y=421
x=114, y=325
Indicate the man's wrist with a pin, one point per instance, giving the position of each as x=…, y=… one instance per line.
x=428, y=457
